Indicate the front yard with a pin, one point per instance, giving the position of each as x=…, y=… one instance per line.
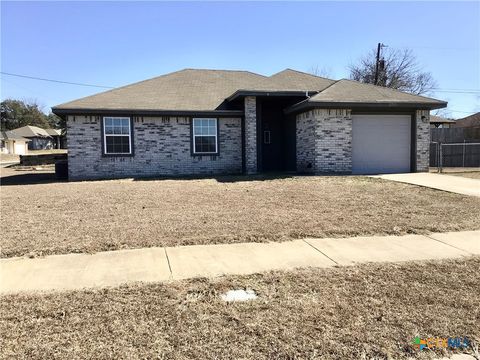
x=363, y=312
x=54, y=218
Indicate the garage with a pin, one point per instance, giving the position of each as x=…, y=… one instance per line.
x=381, y=144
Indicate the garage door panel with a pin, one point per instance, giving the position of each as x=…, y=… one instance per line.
x=381, y=144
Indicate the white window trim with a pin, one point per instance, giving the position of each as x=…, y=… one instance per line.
x=129, y=135
x=194, y=136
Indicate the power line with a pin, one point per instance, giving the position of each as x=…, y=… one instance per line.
x=56, y=81
x=459, y=111
x=460, y=91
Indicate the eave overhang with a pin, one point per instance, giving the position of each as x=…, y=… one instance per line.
x=241, y=93
x=308, y=105
x=147, y=112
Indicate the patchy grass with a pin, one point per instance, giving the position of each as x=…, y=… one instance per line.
x=368, y=311
x=52, y=218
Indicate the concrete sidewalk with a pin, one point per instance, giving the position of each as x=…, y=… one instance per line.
x=113, y=268
x=455, y=184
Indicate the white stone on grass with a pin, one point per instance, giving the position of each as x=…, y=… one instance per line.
x=239, y=295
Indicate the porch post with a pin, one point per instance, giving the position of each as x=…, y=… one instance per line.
x=250, y=134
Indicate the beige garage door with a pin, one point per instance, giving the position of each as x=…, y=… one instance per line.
x=381, y=144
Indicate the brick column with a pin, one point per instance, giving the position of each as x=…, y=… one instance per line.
x=251, y=134
x=423, y=140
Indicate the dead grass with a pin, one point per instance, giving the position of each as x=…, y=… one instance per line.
x=54, y=218
x=369, y=311
x=9, y=157
x=50, y=151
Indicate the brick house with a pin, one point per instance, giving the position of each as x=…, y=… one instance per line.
x=209, y=122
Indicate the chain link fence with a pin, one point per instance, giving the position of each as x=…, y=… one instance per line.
x=454, y=155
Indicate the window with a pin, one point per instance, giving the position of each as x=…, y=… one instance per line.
x=117, y=135
x=205, y=136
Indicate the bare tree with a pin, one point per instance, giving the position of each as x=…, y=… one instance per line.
x=398, y=69
x=323, y=71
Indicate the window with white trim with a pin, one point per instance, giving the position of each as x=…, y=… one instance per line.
x=205, y=139
x=117, y=135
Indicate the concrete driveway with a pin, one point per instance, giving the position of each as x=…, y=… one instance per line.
x=455, y=184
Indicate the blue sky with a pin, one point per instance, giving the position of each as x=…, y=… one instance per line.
x=116, y=43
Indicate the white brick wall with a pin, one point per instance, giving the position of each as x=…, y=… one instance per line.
x=162, y=146
x=324, y=141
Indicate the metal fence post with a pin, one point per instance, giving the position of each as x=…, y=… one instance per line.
x=463, y=160
x=441, y=159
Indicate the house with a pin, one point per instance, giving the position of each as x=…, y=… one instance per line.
x=440, y=122
x=469, y=121
x=39, y=138
x=58, y=138
x=12, y=143
x=208, y=122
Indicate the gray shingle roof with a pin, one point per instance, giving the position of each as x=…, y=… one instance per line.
x=54, y=132
x=11, y=135
x=206, y=90
x=31, y=131
x=297, y=80
x=350, y=91
x=202, y=90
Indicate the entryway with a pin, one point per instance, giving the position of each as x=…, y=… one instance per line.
x=276, y=135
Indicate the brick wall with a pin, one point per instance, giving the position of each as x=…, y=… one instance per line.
x=251, y=134
x=423, y=140
x=324, y=141
x=162, y=146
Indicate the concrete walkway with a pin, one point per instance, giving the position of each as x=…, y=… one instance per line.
x=113, y=268
x=455, y=184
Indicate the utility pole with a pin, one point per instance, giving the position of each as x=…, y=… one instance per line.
x=380, y=46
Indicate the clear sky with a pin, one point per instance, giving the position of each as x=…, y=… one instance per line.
x=116, y=43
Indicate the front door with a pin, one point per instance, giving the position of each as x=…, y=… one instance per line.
x=272, y=135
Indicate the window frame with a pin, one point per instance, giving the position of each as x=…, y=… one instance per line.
x=194, y=152
x=130, y=136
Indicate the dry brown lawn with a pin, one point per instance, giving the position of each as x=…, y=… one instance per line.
x=9, y=157
x=363, y=312
x=52, y=218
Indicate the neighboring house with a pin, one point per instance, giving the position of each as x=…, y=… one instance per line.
x=440, y=122
x=208, y=122
x=469, y=121
x=39, y=138
x=57, y=137
x=12, y=143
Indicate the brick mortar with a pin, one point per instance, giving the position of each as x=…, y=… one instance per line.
x=251, y=134
x=324, y=141
x=162, y=146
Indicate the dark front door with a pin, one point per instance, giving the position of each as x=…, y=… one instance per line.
x=272, y=137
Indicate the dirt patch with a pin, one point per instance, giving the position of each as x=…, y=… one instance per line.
x=52, y=218
x=363, y=312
